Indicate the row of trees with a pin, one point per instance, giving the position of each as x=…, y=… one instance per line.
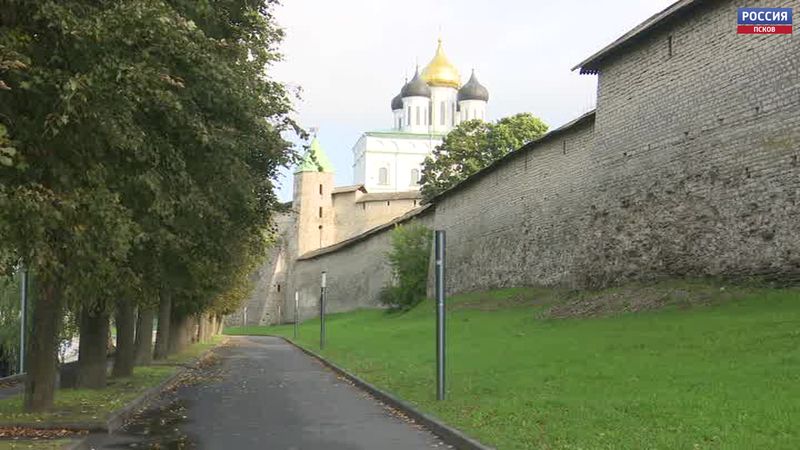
x=139, y=143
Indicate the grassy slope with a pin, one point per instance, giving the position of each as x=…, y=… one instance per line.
x=35, y=444
x=81, y=405
x=710, y=376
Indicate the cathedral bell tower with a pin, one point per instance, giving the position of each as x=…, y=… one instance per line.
x=313, y=200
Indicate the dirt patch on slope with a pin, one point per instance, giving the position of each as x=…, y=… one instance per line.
x=506, y=298
x=639, y=298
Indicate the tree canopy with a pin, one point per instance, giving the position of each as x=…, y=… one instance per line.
x=139, y=145
x=473, y=145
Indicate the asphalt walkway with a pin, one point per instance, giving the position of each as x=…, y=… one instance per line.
x=266, y=394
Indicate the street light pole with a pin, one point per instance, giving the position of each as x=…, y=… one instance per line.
x=23, y=316
x=322, y=299
x=439, y=245
x=296, y=301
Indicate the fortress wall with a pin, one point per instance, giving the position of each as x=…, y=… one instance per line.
x=692, y=171
x=353, y=217
x=523, y=222
x=356, y=275
x=696, y=158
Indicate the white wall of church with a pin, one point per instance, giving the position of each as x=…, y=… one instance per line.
x=472, y=109
x=397, y=117
x=391, y=164
x=443, y=108
x=415, y=111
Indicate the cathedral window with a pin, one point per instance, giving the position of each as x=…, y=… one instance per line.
x=408, y=116
x=418, y=118
x=320, y=212
x=441, y=113
x=414, y=177
x=383, y=176
x=320, y=189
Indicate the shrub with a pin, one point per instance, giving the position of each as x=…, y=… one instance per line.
x=408, y=258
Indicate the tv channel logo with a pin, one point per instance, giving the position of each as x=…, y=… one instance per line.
x=764, y=21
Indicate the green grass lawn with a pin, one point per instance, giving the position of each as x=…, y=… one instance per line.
x=712, y=368
x=94, y=405
x=34, y=444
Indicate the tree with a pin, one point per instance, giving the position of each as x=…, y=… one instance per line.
x=141, y=143
x=408, y=259
x=473, y=145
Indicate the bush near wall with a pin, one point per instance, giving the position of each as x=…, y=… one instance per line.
x=408, y=258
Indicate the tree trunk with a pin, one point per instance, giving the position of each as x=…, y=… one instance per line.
x=163, y=331
x=179, y=335
x=202, y=333
x=93, y=349
x=42, y=360
x=144, y=337
x=125, y=319
x=208, y=320
x=219, y=325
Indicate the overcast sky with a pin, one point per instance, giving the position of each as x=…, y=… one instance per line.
x=350, y=57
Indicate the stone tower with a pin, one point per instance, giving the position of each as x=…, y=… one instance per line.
x=313, y=202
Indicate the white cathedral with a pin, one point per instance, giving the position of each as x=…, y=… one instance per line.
x=426, y=108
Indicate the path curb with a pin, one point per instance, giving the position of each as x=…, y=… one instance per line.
x=447, y=433
x=117, y=419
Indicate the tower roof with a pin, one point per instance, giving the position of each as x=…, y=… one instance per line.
x=416, y=87
x=473, y=90
x=397, y=102
x=315, y=160
x=440, y=71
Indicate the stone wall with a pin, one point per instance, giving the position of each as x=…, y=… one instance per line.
x=357, y=271
x=519, y=223
x=356, y=212
x=690, y=168
x=696, y=156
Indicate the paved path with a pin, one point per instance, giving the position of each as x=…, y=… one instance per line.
x=266, y=394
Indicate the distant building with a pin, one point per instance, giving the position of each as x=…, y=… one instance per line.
x=426, y=109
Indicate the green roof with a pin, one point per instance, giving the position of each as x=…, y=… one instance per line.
x=404, y=135
x=315, y=160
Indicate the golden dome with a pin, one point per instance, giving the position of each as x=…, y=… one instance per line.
x=440, y=71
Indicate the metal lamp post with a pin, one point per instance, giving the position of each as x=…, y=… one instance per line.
x=439, y=245
x=296, y=301
x=322, y=299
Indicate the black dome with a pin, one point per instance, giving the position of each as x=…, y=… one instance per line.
x=473, y=90
x=397, y=102
x=417, y=87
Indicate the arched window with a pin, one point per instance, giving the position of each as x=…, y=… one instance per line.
x=418, y=116
x=441, y=112
x=408, y=116
x=414, y=176
x=383, y=175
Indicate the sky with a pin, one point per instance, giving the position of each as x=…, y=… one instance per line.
x=348, y=58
